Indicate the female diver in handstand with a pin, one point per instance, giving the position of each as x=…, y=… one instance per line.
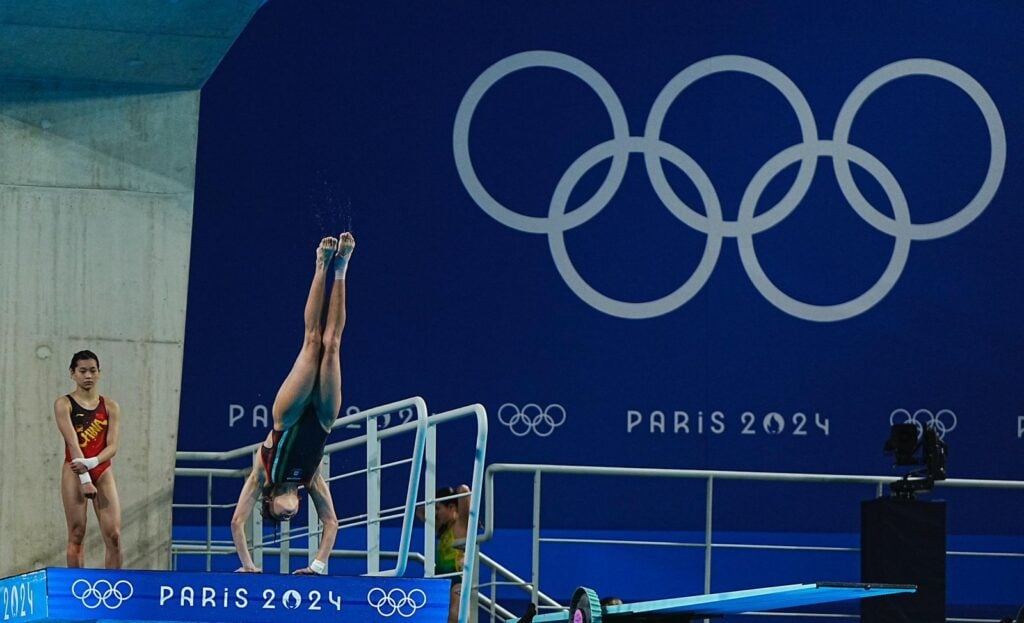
x=306, y=406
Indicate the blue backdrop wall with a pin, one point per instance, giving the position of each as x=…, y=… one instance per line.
x=723, y=234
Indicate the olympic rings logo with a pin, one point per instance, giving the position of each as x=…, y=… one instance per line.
x=942, y=421
x=711, y=222
x=531, y=419
x=111, y=596
x=397, y=601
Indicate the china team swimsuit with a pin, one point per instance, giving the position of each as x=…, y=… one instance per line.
x=91, y=429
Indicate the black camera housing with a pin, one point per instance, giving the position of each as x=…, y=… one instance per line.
x=911, y=448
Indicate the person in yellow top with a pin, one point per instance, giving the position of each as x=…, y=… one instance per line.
x=451, y=521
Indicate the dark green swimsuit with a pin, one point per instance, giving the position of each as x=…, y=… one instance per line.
x=294, y=454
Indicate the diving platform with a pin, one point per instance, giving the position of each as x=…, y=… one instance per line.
x=55, y=594
x=585, y=606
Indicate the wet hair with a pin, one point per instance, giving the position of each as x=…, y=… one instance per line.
x=83, y=355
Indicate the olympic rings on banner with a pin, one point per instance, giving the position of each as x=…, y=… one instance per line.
x=531, y=418
x=749, y=221
x=396, y=601
x=111, y=596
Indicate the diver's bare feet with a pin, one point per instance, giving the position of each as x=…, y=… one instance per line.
x=325, y=252
x=346, y=244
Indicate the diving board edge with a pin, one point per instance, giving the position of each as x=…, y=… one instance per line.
x=749, y=600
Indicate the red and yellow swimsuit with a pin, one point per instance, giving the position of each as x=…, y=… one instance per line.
x=91, y=428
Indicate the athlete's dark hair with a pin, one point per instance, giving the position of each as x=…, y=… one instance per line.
x=82, y=355
x=265, y=505
x=445, y=492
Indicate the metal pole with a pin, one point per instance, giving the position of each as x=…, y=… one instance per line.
x=372, y=497
x=209, y=521
x=494, y=595
x=707, y=534
x=473, y=615
x=284, y=557
x=430, y=483
x=708, y=540
x=535, y=571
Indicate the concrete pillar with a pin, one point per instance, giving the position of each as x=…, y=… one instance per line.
x=99, y=106
x=95, y=225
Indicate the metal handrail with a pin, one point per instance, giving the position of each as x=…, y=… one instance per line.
x=513, y=580
x=424, y=427
x=880, y=481
x=372, y=436
x=710, y=476
x=484, y=482
x=469, y=567
x=227, y=455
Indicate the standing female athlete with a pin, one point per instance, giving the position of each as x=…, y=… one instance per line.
x=89, y=424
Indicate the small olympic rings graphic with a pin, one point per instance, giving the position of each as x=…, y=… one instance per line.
x=531, y=418
x=942, y=421
x=396, y=601
x=750, y=221
x=102, y=592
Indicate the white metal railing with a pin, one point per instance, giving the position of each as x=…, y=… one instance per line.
x=469, y=569
x=532, y=583
x=483, y=488
x=422, y=464
x=371, y=439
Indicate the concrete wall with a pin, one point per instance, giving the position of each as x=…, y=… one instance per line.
x=96, y=198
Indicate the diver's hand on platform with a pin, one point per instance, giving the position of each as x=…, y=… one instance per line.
x=89, y=490
x=315, y=568
x=244, y=569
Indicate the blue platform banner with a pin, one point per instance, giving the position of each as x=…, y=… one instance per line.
x=89, y=595
x=23, y=597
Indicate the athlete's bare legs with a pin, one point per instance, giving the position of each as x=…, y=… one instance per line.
x=296, y=390
x=75, y=507
x=329, y=398
x=108, y=511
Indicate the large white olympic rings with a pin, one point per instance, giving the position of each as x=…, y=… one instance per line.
x=92, y=595
x=396, y=601
x=749, y=221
